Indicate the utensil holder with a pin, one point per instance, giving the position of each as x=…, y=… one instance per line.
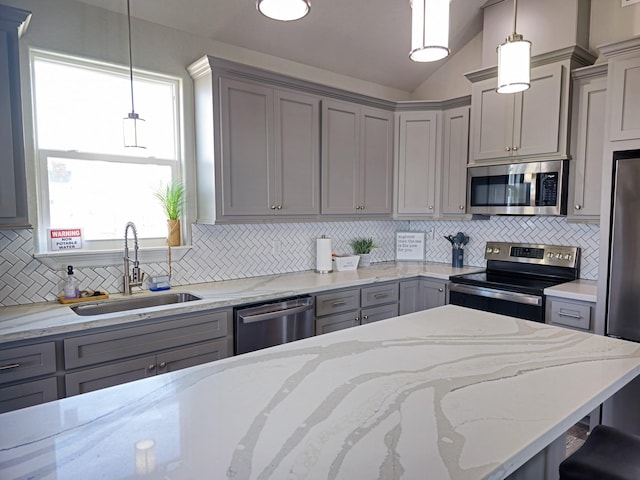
x=457, y=257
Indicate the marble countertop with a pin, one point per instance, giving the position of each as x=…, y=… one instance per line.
x=43, y=319
x=586, y=290
x=447, y=393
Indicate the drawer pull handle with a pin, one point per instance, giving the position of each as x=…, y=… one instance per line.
x=339, y=303
x=381, y=295
x=162, y=364
x=11, y=366
x=570, y=315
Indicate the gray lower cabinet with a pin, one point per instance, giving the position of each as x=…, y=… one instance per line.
x=27, y=376
x=422, y=294
x=575, y=314
x=342, y=309
x=13, y=188
x=92, y=379
x=122, y=355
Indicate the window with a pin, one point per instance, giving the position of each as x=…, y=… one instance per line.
x=86, y=178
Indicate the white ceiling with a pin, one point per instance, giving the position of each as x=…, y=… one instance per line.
x=364, y=39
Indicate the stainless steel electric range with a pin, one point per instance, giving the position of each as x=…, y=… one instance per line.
x=515, y=278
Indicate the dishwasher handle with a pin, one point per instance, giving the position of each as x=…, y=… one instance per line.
x=261, y=317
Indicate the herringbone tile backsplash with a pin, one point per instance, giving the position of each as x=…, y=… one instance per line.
x=222, y=252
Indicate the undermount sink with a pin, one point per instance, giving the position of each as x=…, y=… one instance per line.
x=133, y=303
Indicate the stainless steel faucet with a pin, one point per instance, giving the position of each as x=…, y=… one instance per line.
x=136, y=276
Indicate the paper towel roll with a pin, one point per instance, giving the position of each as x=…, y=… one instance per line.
x=323, y=255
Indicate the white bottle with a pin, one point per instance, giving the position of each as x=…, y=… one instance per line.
x=71, y=289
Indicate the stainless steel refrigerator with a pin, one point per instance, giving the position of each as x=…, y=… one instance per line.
x=623, y=290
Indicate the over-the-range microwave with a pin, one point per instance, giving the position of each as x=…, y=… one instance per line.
x=533, y=188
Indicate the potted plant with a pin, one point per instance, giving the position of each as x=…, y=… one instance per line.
x=363, y=247
x=171, y=197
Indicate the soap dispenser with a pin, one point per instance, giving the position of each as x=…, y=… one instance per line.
x=71, y=289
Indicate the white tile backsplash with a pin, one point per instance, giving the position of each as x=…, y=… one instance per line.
x=222, y=252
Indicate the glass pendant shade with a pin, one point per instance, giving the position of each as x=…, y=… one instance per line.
x=429, y=30
x=284, y=10
x=514, y=70
x=133, y=129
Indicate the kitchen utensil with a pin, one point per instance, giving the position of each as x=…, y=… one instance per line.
x=459, y=238
x=450, y=238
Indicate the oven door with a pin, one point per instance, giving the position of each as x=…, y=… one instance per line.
x=513, y=304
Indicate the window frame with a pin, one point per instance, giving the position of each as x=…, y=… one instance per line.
x=102, y=252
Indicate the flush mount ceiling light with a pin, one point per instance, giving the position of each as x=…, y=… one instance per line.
x=429, y=30
x=284, y=10
x=132, y=124
x=514, y=61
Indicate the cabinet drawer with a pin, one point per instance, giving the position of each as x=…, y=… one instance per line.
x=127, y=342
x=570, y=314
x=379, y=294
x=26, y=362
x=109, y=375
x=337, y=322
x=374, y=314
x=28, y=394
x=336, y=302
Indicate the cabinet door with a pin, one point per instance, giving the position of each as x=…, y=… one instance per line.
x=375, y=314
x=417, y=163
x=297, y=150
x=625, y=98
x=376, y=163
x=433, y=293
x=13, y=189
x=28, y=394
x=336, y=302
x=409, y=296
x=454, y=161
x=491, y=121
x=537, y=128
x=379, y=294
x=333, y=323
x=340, y=157
x=586, y=170
x=190, y=356
x=247, y=148
x=105, y=376
x=570, y=313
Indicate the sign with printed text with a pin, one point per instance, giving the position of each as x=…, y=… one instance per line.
x=65, y=239
x=410, y=245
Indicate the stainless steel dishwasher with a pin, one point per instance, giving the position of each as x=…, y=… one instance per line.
x=269, y=324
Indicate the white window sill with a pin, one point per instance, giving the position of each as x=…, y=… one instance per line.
x=107, y=258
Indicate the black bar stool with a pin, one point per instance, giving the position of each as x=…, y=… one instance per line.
x=607, y=454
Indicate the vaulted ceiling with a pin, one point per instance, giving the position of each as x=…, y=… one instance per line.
x=364, y=39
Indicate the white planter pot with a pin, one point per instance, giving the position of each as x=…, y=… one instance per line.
x=365, y=260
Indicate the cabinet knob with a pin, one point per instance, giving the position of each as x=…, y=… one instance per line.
x=362, y=207
x=441, y=289
x=357, y=207
x=430, y=207
x=357, y=319
x=507, y=149
x=279, y=207
x=515, y=149
x=365, y=317
x=162, y=364
x=273, y=207
x=151, y=367
x=578, y=207
x=461, y=207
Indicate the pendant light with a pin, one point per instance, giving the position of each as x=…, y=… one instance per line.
x=284, y=10
x=429, y=30
x=514, y=61
x=132, y=124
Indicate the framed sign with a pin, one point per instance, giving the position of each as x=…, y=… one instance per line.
x=410, y=245
x=64, y=239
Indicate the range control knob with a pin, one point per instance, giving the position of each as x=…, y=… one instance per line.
x=558, y=256
x=496, y=250
x=550, y=255
x=567, y=256
x=489, y=250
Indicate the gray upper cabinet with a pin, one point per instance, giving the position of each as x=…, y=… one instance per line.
x=357, y=159
x=455, y=157
x=270, y=151
x=416, y=164
x=522, y=125
x=587, y=143
x=13, y=189
x=624, y=73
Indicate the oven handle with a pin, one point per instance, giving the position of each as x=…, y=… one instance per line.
x=497, y=294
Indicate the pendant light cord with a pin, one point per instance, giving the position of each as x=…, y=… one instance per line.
x=515, y=16
x=130, y=57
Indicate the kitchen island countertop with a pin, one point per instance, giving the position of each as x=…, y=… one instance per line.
x=448, y=393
